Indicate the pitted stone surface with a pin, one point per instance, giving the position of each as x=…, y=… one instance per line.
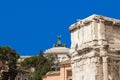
x=95, y=48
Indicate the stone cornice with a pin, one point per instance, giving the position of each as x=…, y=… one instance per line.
x=85, y=56
x=86, y=49
x=96, y=18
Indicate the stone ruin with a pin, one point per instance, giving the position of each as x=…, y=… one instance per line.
x=95, y=48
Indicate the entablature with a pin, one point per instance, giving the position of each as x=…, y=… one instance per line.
x=97, y=19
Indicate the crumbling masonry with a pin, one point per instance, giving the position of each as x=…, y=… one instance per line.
x=95, y=48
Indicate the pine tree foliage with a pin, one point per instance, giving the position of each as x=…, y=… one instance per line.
x=42, y=65
x=9, y=57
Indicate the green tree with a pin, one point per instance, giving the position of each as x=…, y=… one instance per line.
x=39, y=68
x=10, y=56
x=46, y=63
x=30, y=62
x=53, y=62
x=4, y=50
x=12, y=61
x=42, y=64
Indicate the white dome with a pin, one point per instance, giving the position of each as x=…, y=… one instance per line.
x=57, y=50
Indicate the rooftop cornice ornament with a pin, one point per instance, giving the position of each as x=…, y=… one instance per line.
x=97, y=19
x=59, y=40
x=59, y=44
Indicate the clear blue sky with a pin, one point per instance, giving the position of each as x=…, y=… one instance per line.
x=30, y=26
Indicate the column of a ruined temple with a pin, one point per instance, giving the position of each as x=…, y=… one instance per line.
x=94, y=26
x=101, y=33
x=103, y=47
x=103, y=53
x=105, y=69
x=94, y=30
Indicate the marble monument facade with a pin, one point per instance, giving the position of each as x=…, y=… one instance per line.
x=95, y=48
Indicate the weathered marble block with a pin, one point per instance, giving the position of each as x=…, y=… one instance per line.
x=95, y=48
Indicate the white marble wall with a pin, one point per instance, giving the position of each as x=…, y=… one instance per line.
x=113, y=37
x=93, y=41
x=62, y=57
x=87, y=67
